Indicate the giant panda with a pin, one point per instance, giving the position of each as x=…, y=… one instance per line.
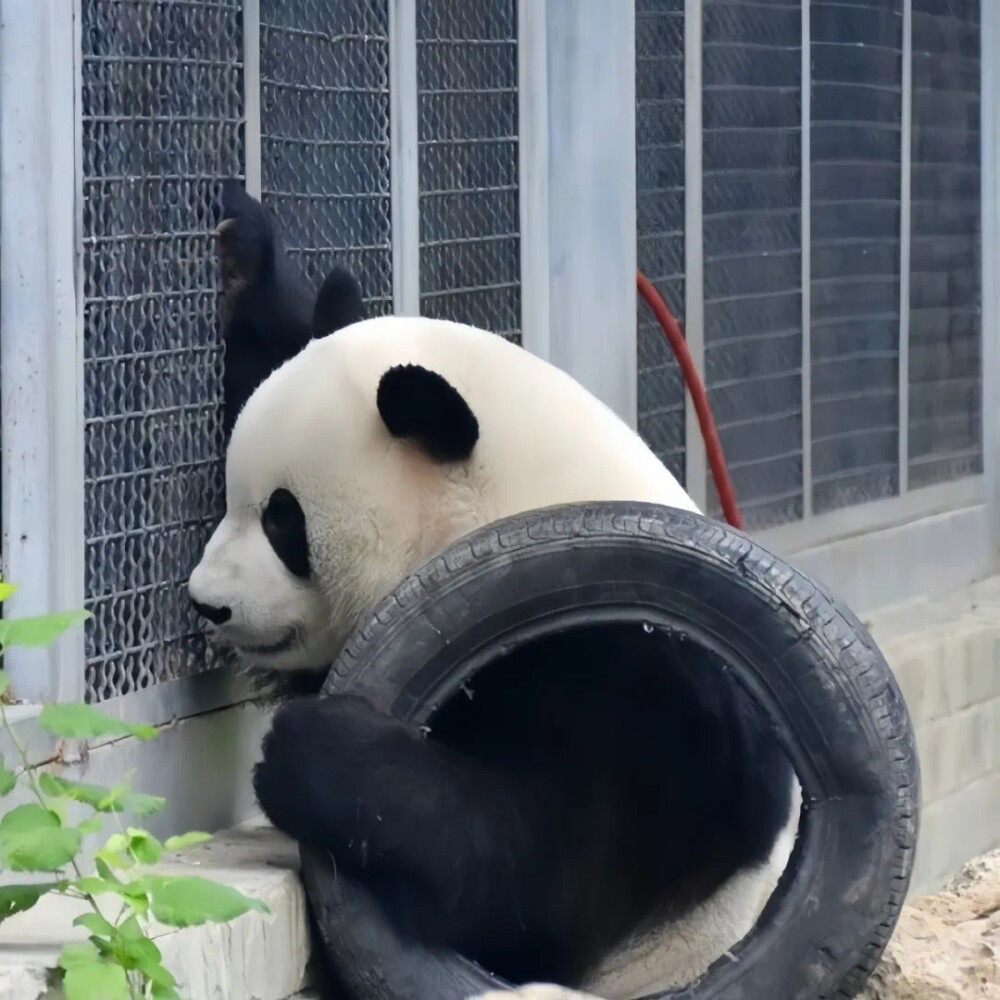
x=602, y=813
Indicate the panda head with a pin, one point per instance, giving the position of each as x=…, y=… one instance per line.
x=375, y=448
x=343, y=471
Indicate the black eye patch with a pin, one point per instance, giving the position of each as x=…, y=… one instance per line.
x=284, y=524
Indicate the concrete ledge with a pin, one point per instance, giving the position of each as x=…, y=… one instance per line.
x=256, y=957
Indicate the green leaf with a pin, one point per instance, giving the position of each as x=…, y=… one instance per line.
x=120, y=861
x=157, y=975
x=33, y=839
x=178, y=843
x=17, y=898
x=8, y=779
x=59, y=808
x=138, y=953
x=76, y=721
x=92, y=825
x=78, y=955
x=89, y=976
x=99, y=979
x=136, y=894
x=92, y=886
x=6, y=590
x=105, y=871
x=120, y=799
x=96, y=924
x=190, y=900
x=106, y=800
x=144, y=847
x=39, y=630
x=131, y=930
x=58, y=787
x=161, y=992
x=114, y=853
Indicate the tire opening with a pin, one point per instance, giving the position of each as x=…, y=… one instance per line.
x=651, y=774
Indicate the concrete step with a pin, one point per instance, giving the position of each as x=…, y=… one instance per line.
x=255, y=957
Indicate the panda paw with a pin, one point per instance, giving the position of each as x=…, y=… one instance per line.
x=326, y=774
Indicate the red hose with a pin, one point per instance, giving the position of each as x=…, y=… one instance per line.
x=699, y=397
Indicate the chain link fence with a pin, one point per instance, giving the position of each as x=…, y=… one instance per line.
x=856, y=124
x=659, y=141
x=946, y=336
x=162, y=110
x=162, y=107
x=324, y=68
x=752, y=184
x=470, y=262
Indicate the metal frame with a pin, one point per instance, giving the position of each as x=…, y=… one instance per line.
x=41, y=343
x=404, y=166
x=696, y=462
x=806, y=258
x=989, y=33
x=533, y=176
x=591, y=260
x=905, y=207
x=934, y=554
x=251, y=97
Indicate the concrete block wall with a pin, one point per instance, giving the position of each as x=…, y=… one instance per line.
x=946, y=657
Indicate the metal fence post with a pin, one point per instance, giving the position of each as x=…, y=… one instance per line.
x=591, y=196
x=41, y=340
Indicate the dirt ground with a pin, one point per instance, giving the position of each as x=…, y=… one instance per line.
x=946, y=945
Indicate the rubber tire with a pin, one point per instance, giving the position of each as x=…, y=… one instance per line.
x=835, y=706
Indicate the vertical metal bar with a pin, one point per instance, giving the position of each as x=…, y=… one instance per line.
x=592, y=224
x=806, y=238
x=404, y=165
x=989, y=40
x=905, y=160
x=696, y=464
x=41, y=341
x=533, y=176
x=251, y=96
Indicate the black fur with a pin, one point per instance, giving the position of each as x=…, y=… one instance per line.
x=269, y=312
x=421, y=405
x=284, y=524
x=338, y=303
x=596, y=781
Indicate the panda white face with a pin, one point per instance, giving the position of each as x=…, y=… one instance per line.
x=376, y=447
x=255, y=584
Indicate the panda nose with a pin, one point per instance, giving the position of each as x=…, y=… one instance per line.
x=217, y=616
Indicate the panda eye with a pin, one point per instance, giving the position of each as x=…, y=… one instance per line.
x=284, y=525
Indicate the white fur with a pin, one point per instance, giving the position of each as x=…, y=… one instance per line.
x=376, y=507
x=535, y=991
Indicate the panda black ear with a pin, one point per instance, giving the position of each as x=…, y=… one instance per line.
x=338, y=304
x=421, y=405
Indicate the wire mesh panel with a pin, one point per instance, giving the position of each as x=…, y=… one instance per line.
x=752, y=245
x=161, y=124
x=324, y=68
x=470, y=263
x=945, y=373
x=856, y=183
x=659, y=114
